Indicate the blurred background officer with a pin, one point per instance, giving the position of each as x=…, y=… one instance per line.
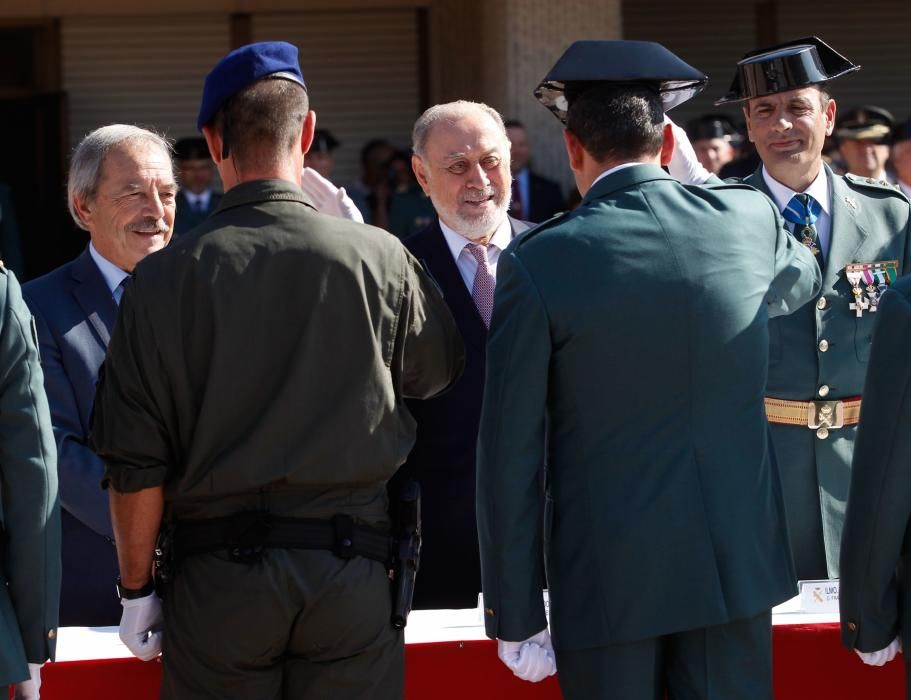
x=664, y=524
x=30, y=594
x=535, y=198
x=864, y=135
x=715, y=140
x=262, y=421
x=121, y=189
x=901, y=156
x=461, y=158
x=859, y=233
x=197, y=199
x=875, y=596
x=321, y=156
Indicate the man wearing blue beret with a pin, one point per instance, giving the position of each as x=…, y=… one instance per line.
x=627, y=352
x=252, y=408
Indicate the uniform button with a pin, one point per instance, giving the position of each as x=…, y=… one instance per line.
x=823, y=345
x=51, y=634
x=822, y=433
x=824, y=390
x=852, y=626
x=821, y=303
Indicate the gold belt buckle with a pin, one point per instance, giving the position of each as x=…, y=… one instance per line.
x=826, y=414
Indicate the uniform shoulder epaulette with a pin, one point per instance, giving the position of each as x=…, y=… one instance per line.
x=738, y=185
x=872, y=182
x=543, y=226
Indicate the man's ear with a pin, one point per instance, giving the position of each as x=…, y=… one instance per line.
x=213, y=141
x=574, y=150
x=830, y=116
x=668, y=144
x=307, y=131
x=83, y=209
x=420, y=172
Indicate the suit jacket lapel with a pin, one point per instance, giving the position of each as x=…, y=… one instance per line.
x=94, y=297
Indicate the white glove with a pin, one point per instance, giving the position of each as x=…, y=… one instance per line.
x=328, y=198
x=30, y=689
x=684, y=165
x=140, y=626
x=532, y=660
x=883, y=656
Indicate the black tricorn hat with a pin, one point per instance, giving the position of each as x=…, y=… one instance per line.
x=868, y=123
x=191, y=148
x=902, y=132
x=789, y=66
x=712, y=126
x=587, y=64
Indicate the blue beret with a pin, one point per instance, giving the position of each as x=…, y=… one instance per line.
x=243, y=66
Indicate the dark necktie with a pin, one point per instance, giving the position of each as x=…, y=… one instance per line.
x=484, y=283
x=516, y=210
x=803, y=211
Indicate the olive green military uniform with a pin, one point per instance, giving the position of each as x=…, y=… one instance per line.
x=261, y=362
x=822, y=353
x=875, y=594
x=30, y=598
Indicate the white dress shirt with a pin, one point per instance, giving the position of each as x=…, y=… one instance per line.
x=198, y=201
x=112, y=274
x=464, y=260
x=818, y=190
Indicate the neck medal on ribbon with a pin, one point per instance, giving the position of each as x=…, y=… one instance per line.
x=868, y=282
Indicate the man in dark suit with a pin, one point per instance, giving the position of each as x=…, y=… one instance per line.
x=628, y=344
x=196, y=199
x=461, y=160
x=122, y=191
x=535, y=198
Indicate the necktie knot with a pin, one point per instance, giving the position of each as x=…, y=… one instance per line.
x=802, y=209
x=478, y=252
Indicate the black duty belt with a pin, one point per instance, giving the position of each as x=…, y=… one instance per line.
x=245, y=536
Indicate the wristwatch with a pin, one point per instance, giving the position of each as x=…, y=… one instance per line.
x=134, y=593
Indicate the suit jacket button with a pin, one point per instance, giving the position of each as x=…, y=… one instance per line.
x=489, y=612
x=852, y=626
x=51, y=634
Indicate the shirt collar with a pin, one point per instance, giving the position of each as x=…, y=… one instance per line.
x=818, y=190
x=457, y=242
x=611, y=171
x=112, y=274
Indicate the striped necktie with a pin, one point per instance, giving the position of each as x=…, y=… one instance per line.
x=803, y=211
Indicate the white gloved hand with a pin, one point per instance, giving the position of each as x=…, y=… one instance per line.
x=140, y=626
x=30, y=689
x=684, y=166
x=328, y=198
x=532, y=660
x=883, y=656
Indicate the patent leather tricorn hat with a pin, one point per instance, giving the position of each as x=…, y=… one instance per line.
x=587, y=64
x=789, y=66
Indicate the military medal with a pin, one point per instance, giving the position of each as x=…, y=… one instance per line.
x=808, y=238
x=871, y=278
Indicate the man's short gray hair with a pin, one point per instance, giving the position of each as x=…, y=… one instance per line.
x=85, y=166
x=450, y=112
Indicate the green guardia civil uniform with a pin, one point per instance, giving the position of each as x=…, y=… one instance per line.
x=875, y=594
x=627, y=352
x=261, y=363
x=30, y=515
x=822, y=352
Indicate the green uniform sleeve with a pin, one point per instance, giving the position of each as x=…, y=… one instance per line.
x=429, y=355
x=511, y=448
x=28, y=469
x=128, y=431
x=879, y=502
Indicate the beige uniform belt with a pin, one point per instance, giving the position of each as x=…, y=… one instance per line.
x=814, y=414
